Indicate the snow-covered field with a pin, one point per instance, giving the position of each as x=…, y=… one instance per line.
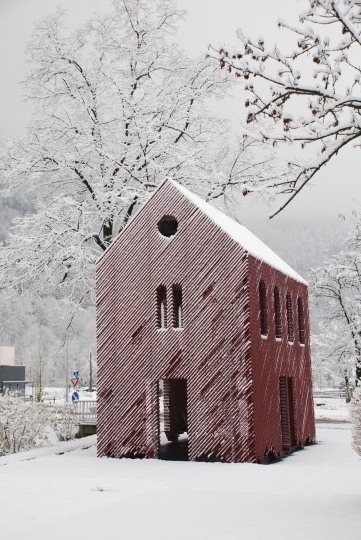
x=57, y=395
x=335, y=409
x=315, y=493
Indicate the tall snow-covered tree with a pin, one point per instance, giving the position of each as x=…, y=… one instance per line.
x=118, y=107
x=309, y=91
x=338, y=284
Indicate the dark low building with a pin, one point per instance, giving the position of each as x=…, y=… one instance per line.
x=12, y=378
x=12, y=373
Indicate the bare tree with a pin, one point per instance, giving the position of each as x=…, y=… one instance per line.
x=310, y=93
x=40, y=360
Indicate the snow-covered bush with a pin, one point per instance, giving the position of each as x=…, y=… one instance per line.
x=337, y=285
x=64, y=422
x=356, y=421
x=22, y=425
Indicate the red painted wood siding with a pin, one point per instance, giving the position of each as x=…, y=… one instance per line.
x=273, y=358
x=212, y=351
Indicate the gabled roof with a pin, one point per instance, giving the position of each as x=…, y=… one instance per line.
x=253, y=245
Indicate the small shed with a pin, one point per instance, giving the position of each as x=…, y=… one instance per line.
x=192, y=307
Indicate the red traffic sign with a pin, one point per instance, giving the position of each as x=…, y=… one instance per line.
x=74, y=381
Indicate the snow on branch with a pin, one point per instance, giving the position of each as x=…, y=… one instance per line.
x=117, y=109
x=311, y=93
x=337, y=284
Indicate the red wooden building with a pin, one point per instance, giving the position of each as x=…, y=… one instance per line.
x=187, y=296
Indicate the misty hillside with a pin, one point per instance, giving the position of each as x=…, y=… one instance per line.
x=38, y=327
x=303, y=244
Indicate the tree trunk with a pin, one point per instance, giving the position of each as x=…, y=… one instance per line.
x=90, y=372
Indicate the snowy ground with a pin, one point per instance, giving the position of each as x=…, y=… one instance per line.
x=315, y=493
x=335, y=409
x=57, y=395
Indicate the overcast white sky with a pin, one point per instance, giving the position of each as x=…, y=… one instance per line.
x=208, y=21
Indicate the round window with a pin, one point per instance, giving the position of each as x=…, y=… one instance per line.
x=168, y=226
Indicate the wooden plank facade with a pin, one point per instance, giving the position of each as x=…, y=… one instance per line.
x=186, y=309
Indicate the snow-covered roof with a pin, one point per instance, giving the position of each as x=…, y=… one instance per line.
x=253, y=245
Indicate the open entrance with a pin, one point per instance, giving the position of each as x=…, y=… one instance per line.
x=173, y=420
x=288, y=426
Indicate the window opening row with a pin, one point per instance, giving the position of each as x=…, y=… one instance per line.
x=277, y=315
x=177, y=308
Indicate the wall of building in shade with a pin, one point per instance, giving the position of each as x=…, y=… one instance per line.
x=232, y=373
x=273, y=358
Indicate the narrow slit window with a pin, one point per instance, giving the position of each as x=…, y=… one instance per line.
x=177, y=306
x=290, y=331
x=277, y=308
x=162, y=307
x=263, y=308
x=301, y=321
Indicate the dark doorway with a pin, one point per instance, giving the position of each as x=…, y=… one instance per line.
x=173, y=420
x=288, y=426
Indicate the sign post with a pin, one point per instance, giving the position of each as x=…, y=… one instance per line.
x=74, y=381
